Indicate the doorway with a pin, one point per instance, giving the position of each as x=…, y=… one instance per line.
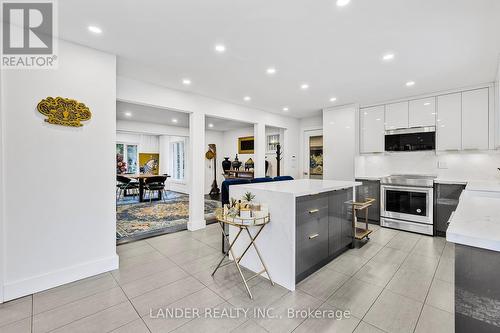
x=313, y=154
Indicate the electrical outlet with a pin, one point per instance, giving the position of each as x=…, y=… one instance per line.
x=442, y=165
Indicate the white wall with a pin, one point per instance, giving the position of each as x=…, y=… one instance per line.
x=339, y=142
x=459, y=166
x=217, y=138
x=2, y=210
x=230, y=144
x=60, y=212
x=271, y=157
x=307, y=124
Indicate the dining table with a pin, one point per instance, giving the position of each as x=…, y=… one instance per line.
x=141, y=178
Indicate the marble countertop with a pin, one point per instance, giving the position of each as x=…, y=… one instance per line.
x=476, y=221
x=483, y=185
x=301, y=187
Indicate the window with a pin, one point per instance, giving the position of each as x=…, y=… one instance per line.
x=272, y=142
x=126, y=158
x=178, y=158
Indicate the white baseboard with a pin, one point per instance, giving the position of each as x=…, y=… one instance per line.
x=57, y=278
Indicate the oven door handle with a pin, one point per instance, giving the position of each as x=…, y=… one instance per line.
x=407, y=188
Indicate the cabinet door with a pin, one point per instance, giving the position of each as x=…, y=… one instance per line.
x=396, y=115
x=372, y=131
x=346, y=217
x=449, y=122
x=422, y=112
x=475, y=109
x=340, y=220
x=311, y=232
x=446, y=202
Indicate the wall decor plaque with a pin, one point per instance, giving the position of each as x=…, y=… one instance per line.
x=64, y=111
x=246, y=145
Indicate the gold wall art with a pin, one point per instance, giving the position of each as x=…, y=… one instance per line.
x=246, y=145
x=64, y=111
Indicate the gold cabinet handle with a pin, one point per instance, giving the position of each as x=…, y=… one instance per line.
x=312, y=211
x=313, y=236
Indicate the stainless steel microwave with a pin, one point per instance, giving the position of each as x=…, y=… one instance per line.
x=411, y=139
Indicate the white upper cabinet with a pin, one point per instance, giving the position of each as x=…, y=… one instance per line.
x=371, y=121
x=396, y=115
x=422, y=112
x=449, y=122
x=475, y=119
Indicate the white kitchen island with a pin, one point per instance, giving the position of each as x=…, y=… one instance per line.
x=311, y=224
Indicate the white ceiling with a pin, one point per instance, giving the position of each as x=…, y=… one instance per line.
x=148, y=114
x=439, y=44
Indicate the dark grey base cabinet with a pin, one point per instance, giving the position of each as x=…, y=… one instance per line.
x=323, y=230
x=445, y=202
x=369, y=189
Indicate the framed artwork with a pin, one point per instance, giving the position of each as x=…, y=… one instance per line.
x=149, y=163
x=246, y=145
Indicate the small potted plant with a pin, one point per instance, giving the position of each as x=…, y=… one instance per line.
x=248, y=199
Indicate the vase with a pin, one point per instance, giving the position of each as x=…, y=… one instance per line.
x=226, y=164
x=236, y=163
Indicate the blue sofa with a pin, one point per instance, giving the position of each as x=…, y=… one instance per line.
x=228, y=182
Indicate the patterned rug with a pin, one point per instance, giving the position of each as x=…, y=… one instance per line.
x=140, y=220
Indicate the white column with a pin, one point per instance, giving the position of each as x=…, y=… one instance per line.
x=196, y=172
x=259, y=132
x=2, y=210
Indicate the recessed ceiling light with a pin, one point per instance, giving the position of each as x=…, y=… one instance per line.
x=271, y=71
x=174, y=120
x=427, y=103
x=128, y=114
x=285, y=109
x=333, y=99
x=304, y=86
x=247, y=98
x=94, y=29
x=410, y=83
x=210, y=125
x=220, y=48
x=342, y=3
x=186, y=82
x=388, y=57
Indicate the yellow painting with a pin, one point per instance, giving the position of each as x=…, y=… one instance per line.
x=149, y=163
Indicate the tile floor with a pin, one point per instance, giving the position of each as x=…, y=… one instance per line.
x=398, y=282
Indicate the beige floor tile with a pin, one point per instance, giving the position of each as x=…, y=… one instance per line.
x=218, y=323
x=15, y=310
x=420, y=263
x=347, y=264
x=131, y=273
x=410, y=283
x=390, y=256
x=366, y=251
x=394, y=313
x=21, y=326
x=137, y=326
x=140, y=259
x=163, y=296
x=404, y=241
x=134, y=249
x=263, y=294
x=382, y=236
x=206, y=263
x=356, y=296
x=187, y=256
x=154, y=281
x=442, y=295
x=449, y=251
x=435, y=320
x=171, y=246
x=103, y=321
x=56, y=297
x=446, y=270
x=200, y=300
x=281, y=320
x=249, y=326
x=377, y=273
x=68, y=313
x=323, y=283
x=322, y=323
x=367, y=328
x=430, y=246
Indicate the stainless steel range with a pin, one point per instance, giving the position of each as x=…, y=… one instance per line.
x=406, y=203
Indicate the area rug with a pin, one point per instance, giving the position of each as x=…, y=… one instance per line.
x=141, y=220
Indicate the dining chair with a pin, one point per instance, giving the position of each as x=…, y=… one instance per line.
x=155, y=184
x=125, y=184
